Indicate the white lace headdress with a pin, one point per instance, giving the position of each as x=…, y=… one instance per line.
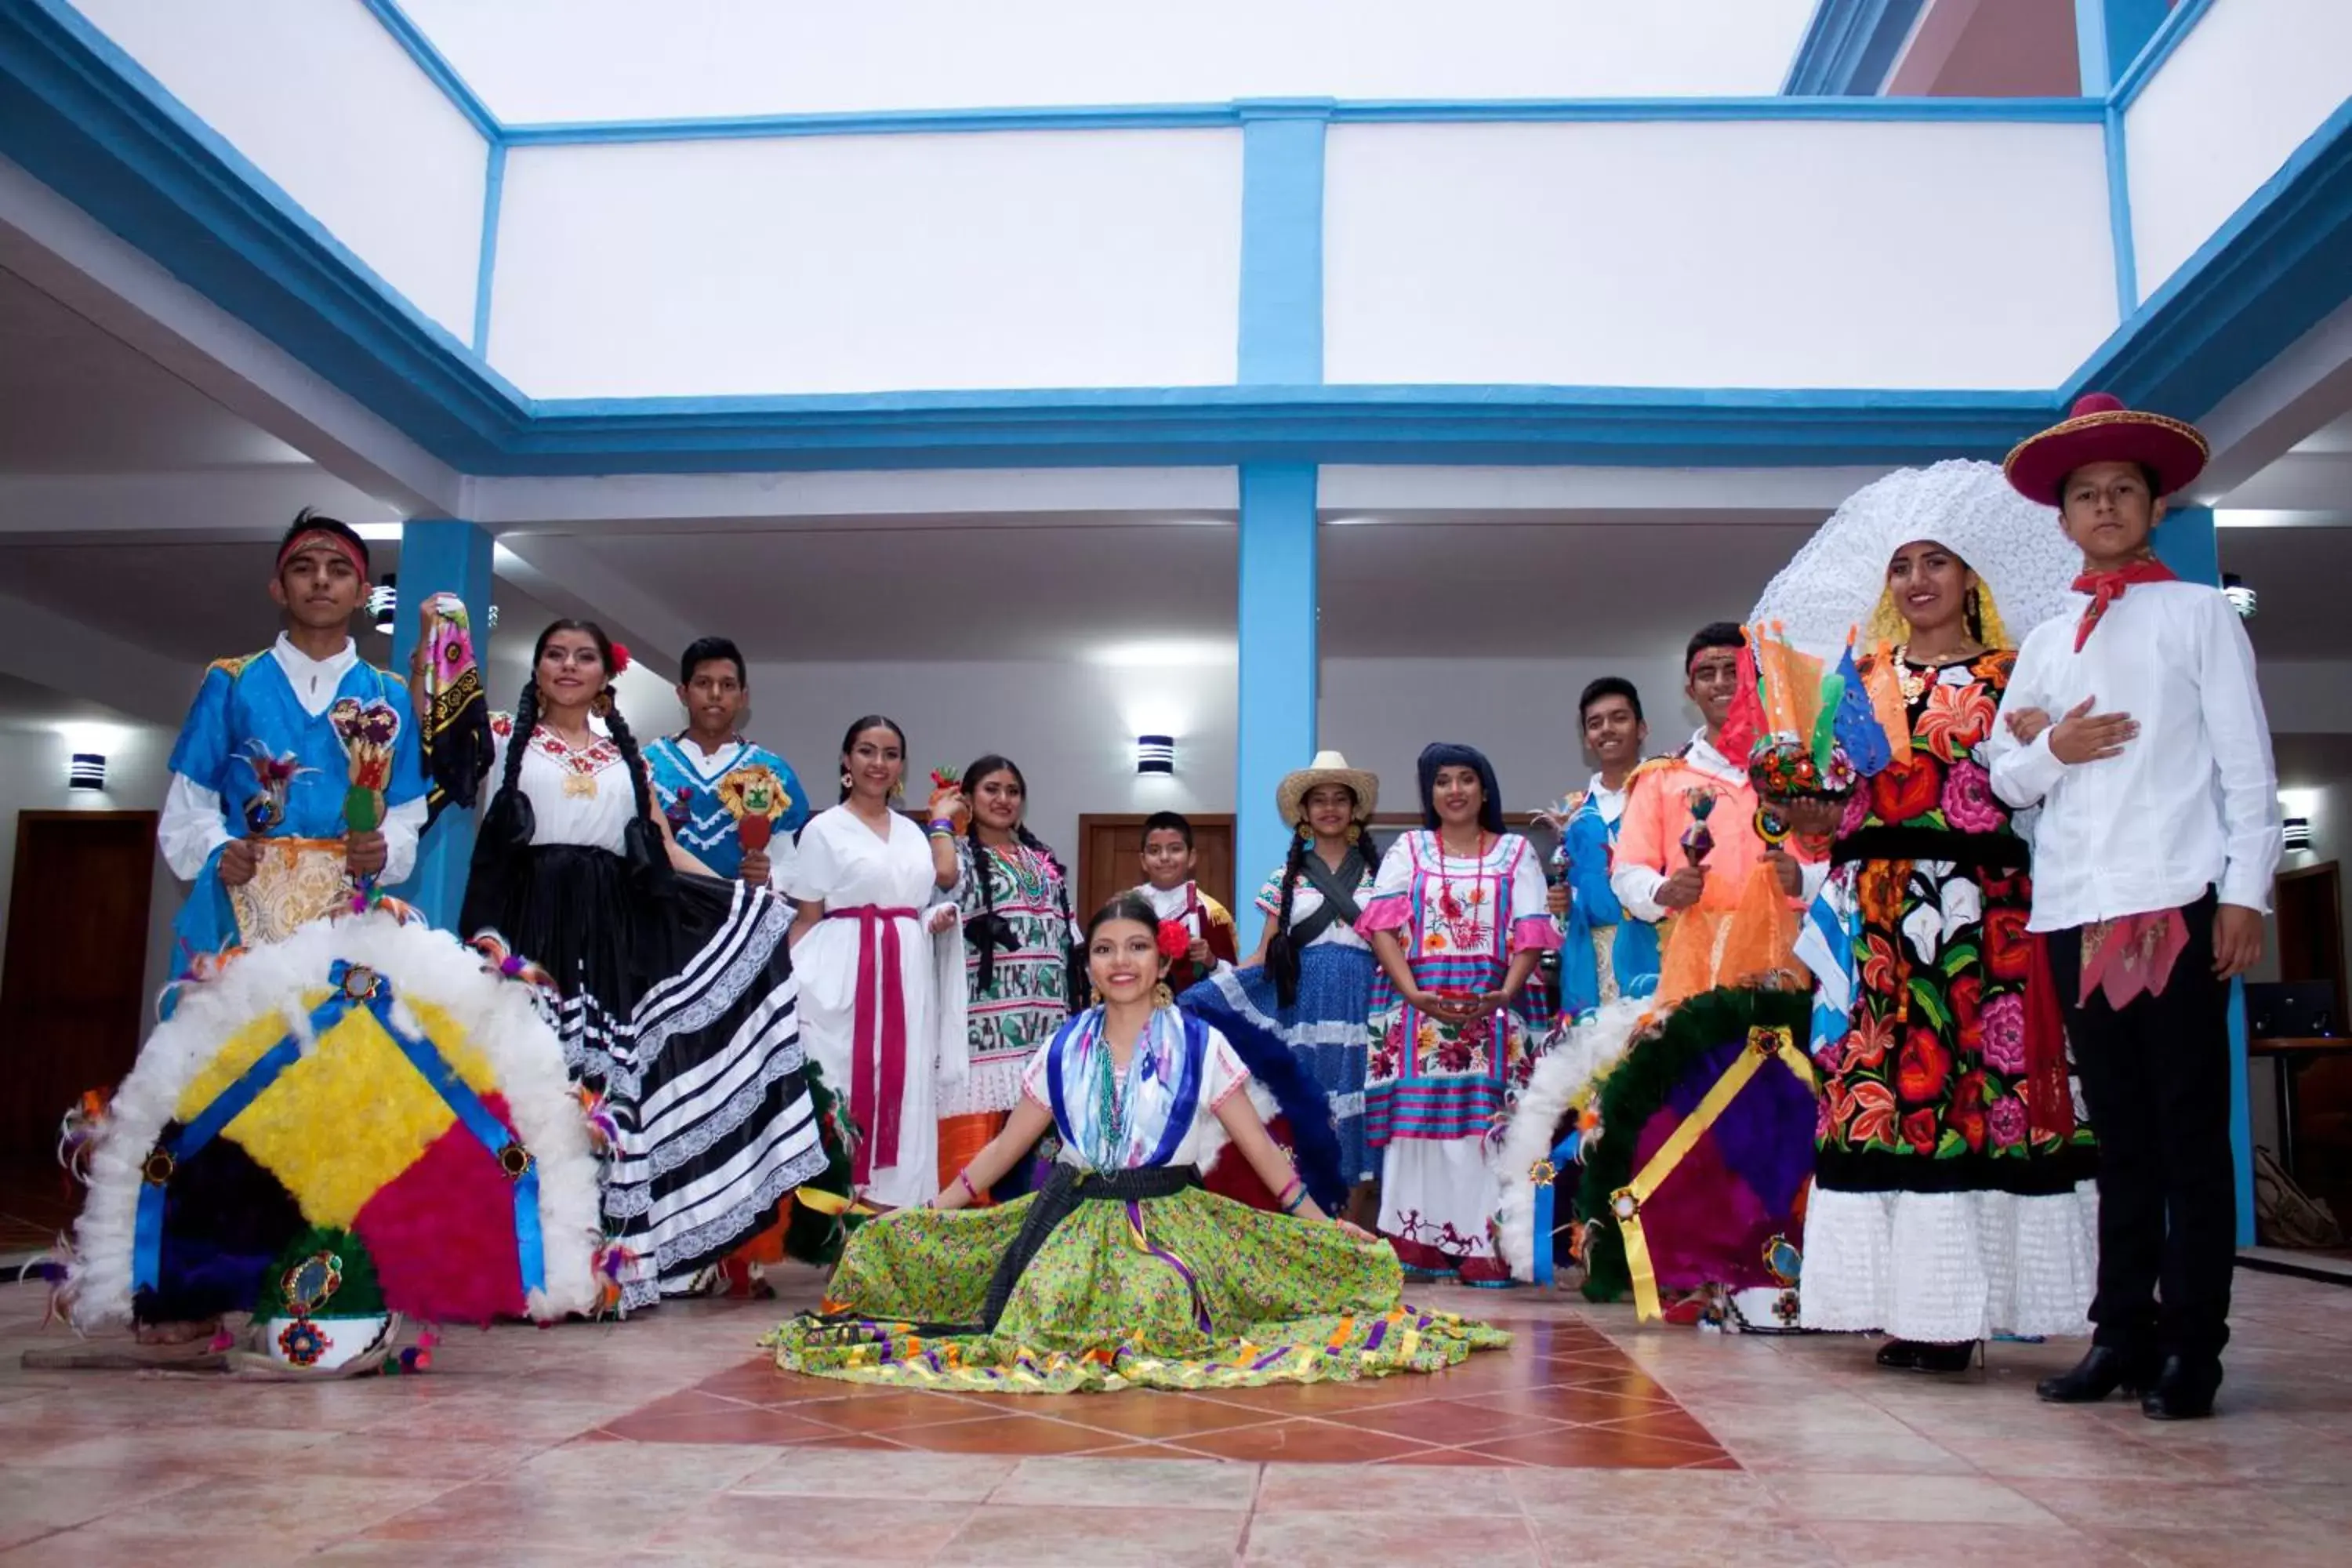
x=1838, y=580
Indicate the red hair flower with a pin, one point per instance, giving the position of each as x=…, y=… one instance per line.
x=620, y=657
x=1175, y=941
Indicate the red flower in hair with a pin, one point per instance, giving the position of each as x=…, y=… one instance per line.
x=620, y=657
x=1175, y=941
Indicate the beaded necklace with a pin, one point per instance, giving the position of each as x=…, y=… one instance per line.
x=1024, y=867
x=1110, y=1102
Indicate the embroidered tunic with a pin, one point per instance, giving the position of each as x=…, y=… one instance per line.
x=705, y=795
x=1028, y=994
x=260, y=757
x=1162, y=1112
x=1603, y=954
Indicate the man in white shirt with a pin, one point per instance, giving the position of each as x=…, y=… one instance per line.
x=1603, y=954
x=262, y=757
x=2137, y=728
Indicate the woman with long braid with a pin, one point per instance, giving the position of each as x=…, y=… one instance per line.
x=675, y=994
x=1299, y=1011
x=1019, y=948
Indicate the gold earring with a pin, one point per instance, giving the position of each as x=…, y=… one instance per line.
x=1161, y=996
x=1355, y=833
x=898, y=789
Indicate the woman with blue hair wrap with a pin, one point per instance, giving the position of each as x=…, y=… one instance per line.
x=1457, y=921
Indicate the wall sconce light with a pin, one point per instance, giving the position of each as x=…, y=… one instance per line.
x=384, y=602
x=2241, y=598
x=1155, y=754
x=86, y=769
x=2296, y=832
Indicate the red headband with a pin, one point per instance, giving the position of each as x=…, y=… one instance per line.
x=328, y=537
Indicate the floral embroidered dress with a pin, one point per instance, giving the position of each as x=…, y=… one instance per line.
x=1433, y=1088
x=1951, y=1197
x=1123, y=1272
x=1019, y=995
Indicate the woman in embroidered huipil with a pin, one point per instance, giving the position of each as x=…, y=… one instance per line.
x=1951, y=1196
x=1122, y=1271
x=676, y=994
x=1457, y=920
x=1018, y=942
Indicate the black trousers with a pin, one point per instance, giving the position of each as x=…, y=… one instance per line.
x=2156, y=1078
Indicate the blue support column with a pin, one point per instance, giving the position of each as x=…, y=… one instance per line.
x=441, y=555
x=2109, y=36
x=1282, y=241
x=1277, y=670
x=2186, y=542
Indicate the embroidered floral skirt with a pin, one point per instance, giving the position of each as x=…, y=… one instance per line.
x=1186, y=1290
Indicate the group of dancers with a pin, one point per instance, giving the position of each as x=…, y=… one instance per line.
x=1907, y=973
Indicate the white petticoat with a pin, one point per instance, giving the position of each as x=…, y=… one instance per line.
x=1944, y=1267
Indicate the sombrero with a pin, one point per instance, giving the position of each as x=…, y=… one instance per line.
x=2102, y=430
x=1329, y=767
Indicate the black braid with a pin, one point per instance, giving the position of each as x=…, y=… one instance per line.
x=641, y=843
x=982, y=931
x=507, y=826
x=1281, y=952
x=1080, y=982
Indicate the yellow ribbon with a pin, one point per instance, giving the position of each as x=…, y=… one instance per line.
x=831, y=1202
x=1764, y=1044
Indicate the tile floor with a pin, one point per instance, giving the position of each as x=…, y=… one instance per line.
x=668, y=1440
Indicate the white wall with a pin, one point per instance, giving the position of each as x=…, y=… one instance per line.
x=33, y=778
x=2249, y=83
x=320, y=98
x=863, y=263
x=588, y=59
x=1839, y=254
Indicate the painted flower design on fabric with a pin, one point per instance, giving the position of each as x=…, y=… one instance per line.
x=2004, y=1033
x=1941, y=911
x=1968, y=802
x=1924, y=1067
x=1958, y=714
x=1872, y=1121
x=2007, y=1120
x=1881, y=965
x=1904, y=791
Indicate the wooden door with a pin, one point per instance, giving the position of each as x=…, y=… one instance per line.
x=2310, y=904
x=72, y=998
x=2310, y=914
x=1110, y=857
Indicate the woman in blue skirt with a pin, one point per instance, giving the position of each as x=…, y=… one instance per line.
x=1298, y=1013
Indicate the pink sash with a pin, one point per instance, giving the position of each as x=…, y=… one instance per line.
x=877, y=1063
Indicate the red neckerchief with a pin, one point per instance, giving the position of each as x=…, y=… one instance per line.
x=2107, y=587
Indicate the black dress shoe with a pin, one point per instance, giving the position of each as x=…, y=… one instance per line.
x=1903, y=1356
x=1944, y=1358
x=2184, y=1389
x=2098, y=1375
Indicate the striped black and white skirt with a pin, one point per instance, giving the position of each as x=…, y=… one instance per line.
x=680, y=1011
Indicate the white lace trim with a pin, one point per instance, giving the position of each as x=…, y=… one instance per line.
x=1943, y=1267
x=986, y=1087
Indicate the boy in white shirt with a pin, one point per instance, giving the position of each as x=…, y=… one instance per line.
x=2137, y=728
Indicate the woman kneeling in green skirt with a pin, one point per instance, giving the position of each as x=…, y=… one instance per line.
x=1123, y=1272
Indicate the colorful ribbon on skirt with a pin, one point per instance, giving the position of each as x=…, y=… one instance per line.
x=877, y=1060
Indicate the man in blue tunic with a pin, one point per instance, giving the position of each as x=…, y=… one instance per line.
x=286, y=757
x=711, y=780
x=1602, y=955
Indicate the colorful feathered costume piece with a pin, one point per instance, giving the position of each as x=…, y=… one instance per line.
x=363, y=1074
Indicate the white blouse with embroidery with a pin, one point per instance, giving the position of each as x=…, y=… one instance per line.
x=577, y=796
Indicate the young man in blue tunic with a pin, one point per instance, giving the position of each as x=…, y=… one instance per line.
x=1602, y=955
x=286, y=757
x=711, y=780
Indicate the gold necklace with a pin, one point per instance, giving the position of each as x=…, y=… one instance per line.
x=1913, y=684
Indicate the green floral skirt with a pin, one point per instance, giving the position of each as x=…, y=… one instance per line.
x=1189, y=1291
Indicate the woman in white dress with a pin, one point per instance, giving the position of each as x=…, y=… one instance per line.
x=675, y=995
x=880, y=966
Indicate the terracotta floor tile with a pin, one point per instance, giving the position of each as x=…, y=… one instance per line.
x=1320, y=1398
x=1449, y=1421
x=868, y=1442
x=730, y=1424
x=1917, y=1501
x=1585, y=1406
x=1455, y=1458
x=1300, y=1441
x=505, y=1513
x=1021, y=1435
x=757, y=1382
x=668, y=1467
x=1158, y=1414
x=1025, y=1536
x=890, y=1414
x=1676, y=1425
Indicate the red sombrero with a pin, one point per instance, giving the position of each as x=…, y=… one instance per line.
x=2102, y=430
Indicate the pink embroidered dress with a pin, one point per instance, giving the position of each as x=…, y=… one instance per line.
x=1435, y=1089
